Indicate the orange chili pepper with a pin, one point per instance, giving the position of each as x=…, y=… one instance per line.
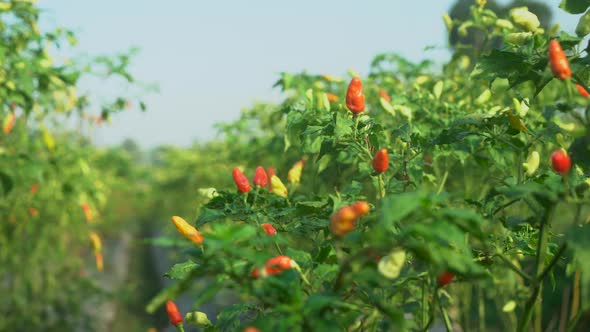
x=560, y=66
x=355, y=99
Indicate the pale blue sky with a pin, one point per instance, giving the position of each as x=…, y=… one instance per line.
x=212, y=58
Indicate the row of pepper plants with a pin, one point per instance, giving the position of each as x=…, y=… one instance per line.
x=58, y=193
x=406, y=198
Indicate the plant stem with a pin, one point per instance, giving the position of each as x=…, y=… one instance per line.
x=541, y=250
x=482, y=310
x=520, y=167
x=356, y=124
x=442, y=183
x=424, y=305
x=554, y=260
x=447, y=319
x=381, y=186
x=514, y=268
x=576, y=295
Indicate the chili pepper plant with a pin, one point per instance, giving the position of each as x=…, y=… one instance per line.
x=454, y=197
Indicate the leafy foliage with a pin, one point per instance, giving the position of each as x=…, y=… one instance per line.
x=457, y=196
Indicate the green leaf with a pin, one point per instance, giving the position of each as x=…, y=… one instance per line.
x=396, y=207
x=6, y=182
x=301, y=257
x=579, y=240
x=574, y=6
x=182, y=270
x=343, y=126
x=229, y=319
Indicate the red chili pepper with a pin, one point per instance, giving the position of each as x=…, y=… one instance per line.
x=383, y=94
x=444, y=278
x=251, y=329
x=173, y=313
x=270, y=172
x=355, y=99
x=260, y=177
x=270, y=231
x=561, y=162
x=34, y=188
x=381, y=161
x=241, y=181
x=560, y=66
x=582, y=91
x=277, y=264
x=274, y=265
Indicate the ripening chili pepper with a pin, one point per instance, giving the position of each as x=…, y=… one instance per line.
x=381, y=161
x=582, y=91
x=355, y=99
x=8, y=123
x=87, y=212
x=173, y=313
x=33, y=212
x=241, y=181
x=383, y=94
x=96, y=242
x=99, y=261
x=277, y=264
x=187, y=230
x=34, y=188
x=270, y=172
x=294, y=174
x=270, y=231
x=444, y=278
x=274, y=265
x=342, y=222
x=251, y=329
x=260, y=177
x=332, y=97
x=257, y=274
x=560, y=66
x=561, y=162
x=277, y=187
x=360, y=208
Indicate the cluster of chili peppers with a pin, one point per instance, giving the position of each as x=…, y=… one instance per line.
x=345, y=219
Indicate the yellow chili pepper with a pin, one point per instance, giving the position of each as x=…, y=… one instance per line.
x=277, y=186
x=96, y=242
x=187, y=230
x=294, y=174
